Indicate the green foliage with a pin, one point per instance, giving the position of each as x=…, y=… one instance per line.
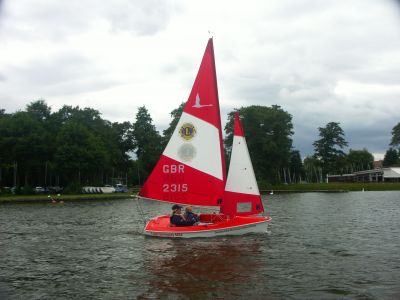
x=312, y=169
x=358, y=160
x=146, y=141
x=268, y=133
x=79, y=152
x=392, y=158
x=395, y=142
x=26, y=190
x=73, y=187
x=328, y=149
x=75, y=146
x=70, y=145
x=39, y=110
x=296, y=168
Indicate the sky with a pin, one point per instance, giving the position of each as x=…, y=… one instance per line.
x=321, y=61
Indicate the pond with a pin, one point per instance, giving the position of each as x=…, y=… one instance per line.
x=318, y=246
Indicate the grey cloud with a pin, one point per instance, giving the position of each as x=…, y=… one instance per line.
x=347, y=45
x=361, y=137
x=67, y=73
x=52, y=70
x=58, y=20
x=48, y=21
x=290, y=53
x=141, y=17
x=182, y=65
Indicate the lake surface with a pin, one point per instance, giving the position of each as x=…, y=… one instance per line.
x=319, y=246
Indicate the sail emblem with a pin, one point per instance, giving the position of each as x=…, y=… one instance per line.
x=187, y=131
x=186, y=152
x=198, y=105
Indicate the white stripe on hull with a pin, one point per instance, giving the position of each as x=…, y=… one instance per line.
x=260, y=227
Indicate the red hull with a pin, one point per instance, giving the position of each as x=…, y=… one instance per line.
x=210, y=225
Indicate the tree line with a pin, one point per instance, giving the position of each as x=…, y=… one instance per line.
x=75, y=146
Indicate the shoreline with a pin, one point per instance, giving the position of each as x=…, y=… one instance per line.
x=331, y=187
x=278, y=191
x=265, y=190
x=62, y=197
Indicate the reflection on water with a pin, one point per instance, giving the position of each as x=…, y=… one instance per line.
x=320, y=246
x=200, y=268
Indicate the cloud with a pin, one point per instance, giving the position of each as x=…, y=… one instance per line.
x=320, y=61
x=141, y=17
x=46, y=20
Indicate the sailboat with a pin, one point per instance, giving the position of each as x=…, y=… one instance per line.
x=191, y=170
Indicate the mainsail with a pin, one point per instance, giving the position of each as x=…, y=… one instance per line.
x=241, y=196
x=191, y=169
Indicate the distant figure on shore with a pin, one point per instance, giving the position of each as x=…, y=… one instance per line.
x=54, y=201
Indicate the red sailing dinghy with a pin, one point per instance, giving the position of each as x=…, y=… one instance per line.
x=191, y=170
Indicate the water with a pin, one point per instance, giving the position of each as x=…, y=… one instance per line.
x=319, y=246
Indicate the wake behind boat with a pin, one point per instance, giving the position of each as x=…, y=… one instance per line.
x=191, y=170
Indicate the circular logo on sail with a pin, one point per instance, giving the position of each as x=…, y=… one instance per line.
x=187, y=131
x=186, y=152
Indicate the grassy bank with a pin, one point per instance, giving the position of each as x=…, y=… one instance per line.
x=283, y=188
x=43, y=198
x=312, y=187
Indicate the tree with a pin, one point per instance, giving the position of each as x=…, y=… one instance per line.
x=312, y=169
x=328, y=149
x=391, y=158
x=268, y=133
x=175, y=115
x=296, y=166
x=358, y=160
x=62, y=147
x=24, y=141
x=39, y=110
x=146, y=140
x=395, y=142
x=80, y=154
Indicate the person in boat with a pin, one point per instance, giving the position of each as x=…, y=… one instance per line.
x=178, y=219
x=189, y=215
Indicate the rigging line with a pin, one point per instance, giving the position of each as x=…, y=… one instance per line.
x=140, y=210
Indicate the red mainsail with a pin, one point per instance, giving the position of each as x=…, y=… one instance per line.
x=191, y=169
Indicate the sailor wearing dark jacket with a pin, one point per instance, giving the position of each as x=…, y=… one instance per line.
x=177, y=219
x=189, y=215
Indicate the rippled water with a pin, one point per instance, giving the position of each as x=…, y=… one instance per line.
x=319, y=246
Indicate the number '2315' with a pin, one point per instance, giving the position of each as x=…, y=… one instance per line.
x=173, y=188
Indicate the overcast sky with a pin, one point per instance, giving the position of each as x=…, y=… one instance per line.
x=321, y=61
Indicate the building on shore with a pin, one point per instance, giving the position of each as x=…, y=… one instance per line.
x=390, y=174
